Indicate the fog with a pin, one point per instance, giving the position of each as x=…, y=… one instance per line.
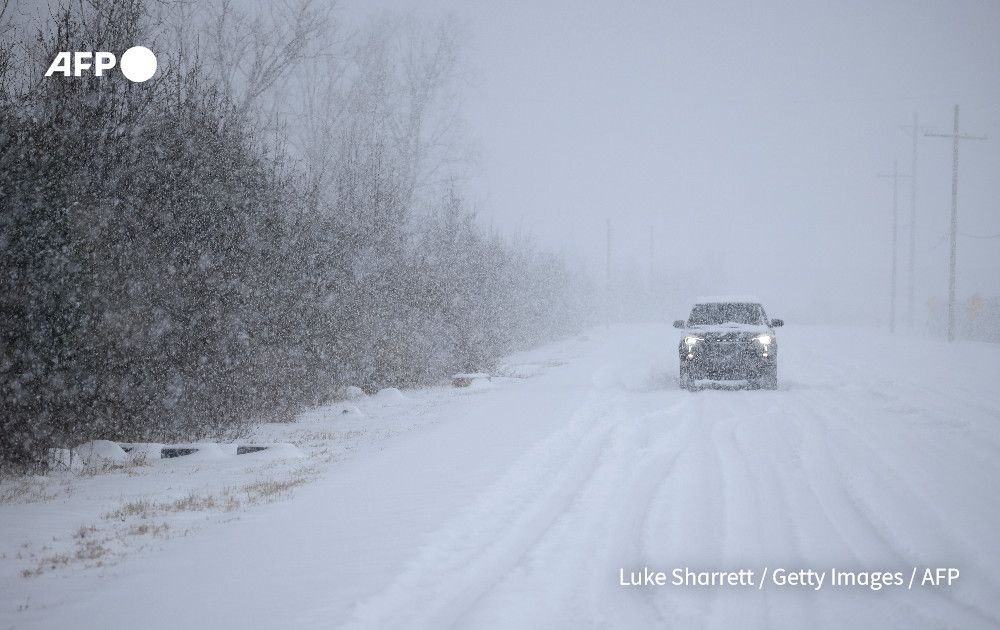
x=735, y=149
x=368, y=309
x=748, y=141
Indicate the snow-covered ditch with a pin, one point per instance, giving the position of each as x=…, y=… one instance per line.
x=102, y=455
x=105, y=501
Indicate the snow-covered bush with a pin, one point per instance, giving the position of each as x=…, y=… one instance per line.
x=176, y=267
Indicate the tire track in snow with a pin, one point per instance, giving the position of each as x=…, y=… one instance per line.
x=665, y=438
x=814, y=515
x=943, y=403
x=685, y=521
x=825, y=478
x=727, y=482
x=829, y=483
x=747, y=539
x=882, y=491
x=972, y=433
x=874, y=542
x=760, y=448
x=525, y=580
x=709, y=508
x=586, y=546
x=465, y=558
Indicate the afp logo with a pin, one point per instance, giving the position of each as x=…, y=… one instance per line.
x=138, y=63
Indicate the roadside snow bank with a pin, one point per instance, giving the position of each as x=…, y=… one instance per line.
x=470, y=379
x=98, y=454
x=349, y=411
x=390, y=394
x=143, y=452
x=631, y=378
x=351, y=392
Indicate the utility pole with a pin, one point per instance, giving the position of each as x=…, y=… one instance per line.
x=911, y=266
x=895, y=241
x=607, y=268
x=607, y=250
x=652, y=255
x=955, y=136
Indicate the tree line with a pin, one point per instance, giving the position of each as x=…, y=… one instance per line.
x=277, y=214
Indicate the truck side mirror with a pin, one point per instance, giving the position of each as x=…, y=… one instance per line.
x=678, y=323
x=777, y=322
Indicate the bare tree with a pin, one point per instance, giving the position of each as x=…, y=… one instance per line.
x=255, y=54
x=275, y=214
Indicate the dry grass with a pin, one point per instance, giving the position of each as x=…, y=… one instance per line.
x=86, y=551
x=25, y=490
x=90, y=550
x=98, y=544
x=92, y=543
x=149, y=529
x=100, y=469
x=51, y=563
x=309, y=471
x=141, y=509
x=230, y=500
x=144, y=509
x=129, y=467
x=305, y=436
x=267, y=488
x=85, y=531
x=190, y=503
x=137, y=461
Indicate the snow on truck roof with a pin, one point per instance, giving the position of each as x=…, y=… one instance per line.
x=728, y=299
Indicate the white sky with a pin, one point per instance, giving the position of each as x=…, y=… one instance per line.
x=750, y=134
x=747, y=137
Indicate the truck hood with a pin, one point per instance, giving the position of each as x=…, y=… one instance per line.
x=723, y=329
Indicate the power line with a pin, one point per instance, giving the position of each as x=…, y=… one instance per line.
x=964, y=235
x=956, y=136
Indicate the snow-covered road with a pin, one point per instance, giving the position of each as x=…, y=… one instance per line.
x=522, y=502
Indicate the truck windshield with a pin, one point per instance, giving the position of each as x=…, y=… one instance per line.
x=708, y=314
